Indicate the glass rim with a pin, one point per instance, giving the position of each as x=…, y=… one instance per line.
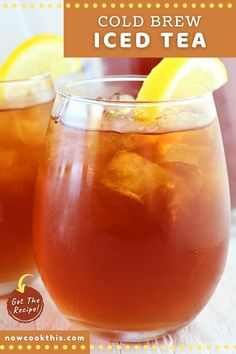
x=119, y=78
x=30, y=80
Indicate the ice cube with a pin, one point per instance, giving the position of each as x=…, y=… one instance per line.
x=203, y=137
x=185, y=154
x=33, y=125
x=187, y=183
x=181, y=153
x=115, y=111
x=185, y=164
x=133, y=176
x=180, y=196
x=10, y=134
x=175, y=119
x=110, y=142
x=121, y=97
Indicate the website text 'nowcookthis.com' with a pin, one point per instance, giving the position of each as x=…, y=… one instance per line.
x=44, y=338
x=59, y=340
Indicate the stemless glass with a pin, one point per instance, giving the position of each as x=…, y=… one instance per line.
x=25, y=107
x=132, y=215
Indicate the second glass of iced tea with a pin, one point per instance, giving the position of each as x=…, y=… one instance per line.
x=131, y=218
x=25, y=106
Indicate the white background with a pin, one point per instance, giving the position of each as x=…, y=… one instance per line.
x=17, y=24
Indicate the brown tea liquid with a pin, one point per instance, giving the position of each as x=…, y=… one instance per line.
x=131, y=230
x=22, y=133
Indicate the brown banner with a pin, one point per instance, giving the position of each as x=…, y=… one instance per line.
x=45, y=342
x=141, y=28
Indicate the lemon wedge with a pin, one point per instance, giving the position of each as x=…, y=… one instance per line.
x=40, y=54
x=176, y=78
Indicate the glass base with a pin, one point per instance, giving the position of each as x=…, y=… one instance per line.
x=126, y=336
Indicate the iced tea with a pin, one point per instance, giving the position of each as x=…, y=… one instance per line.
x=131, y=227
x=22, y=132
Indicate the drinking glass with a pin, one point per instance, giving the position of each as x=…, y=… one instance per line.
x=25, y=107
x=132, y=209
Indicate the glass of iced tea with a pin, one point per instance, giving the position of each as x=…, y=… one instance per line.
x=24, y=113
x=131, y=218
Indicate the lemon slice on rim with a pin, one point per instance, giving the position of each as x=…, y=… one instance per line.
x=176, y=78
x=40, y=54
